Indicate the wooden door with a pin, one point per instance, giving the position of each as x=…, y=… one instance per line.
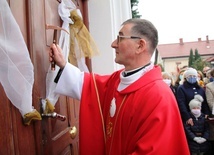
x=16, y=138
x=49, y=136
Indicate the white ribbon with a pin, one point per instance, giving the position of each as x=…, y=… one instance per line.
x=16, y=69
x=64, y=9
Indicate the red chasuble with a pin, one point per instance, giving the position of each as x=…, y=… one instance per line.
x=146, y=120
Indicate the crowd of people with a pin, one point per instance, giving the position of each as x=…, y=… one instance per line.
x=194, y=92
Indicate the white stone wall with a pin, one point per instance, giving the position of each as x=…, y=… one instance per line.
x=105, y=18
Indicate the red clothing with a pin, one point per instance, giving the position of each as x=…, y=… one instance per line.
x=147, y=119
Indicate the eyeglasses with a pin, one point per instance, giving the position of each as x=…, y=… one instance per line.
x=119, y=38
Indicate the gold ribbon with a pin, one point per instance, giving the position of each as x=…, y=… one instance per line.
x=80, y=39
x=49, y=108
x=32, y=116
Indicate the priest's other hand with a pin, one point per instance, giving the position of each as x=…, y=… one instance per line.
x=55, y=54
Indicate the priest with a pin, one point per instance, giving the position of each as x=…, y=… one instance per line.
x=130, y=112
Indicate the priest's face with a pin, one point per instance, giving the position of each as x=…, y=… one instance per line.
x=125, y=46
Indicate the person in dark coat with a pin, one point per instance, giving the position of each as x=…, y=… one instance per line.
x=198, y=134
x=186, y=92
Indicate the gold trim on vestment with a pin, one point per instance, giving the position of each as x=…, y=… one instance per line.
x=98, y=99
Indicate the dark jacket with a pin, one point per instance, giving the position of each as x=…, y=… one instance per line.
x=199, y=129
x=185, y=93
x=173, y=88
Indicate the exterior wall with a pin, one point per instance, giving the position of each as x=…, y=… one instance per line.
x=170, y=64
x=105, y=18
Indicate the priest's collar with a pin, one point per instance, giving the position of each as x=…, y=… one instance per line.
x=131, y=72
x=126, y=81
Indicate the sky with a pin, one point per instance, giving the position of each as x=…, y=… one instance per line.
x=175, y=19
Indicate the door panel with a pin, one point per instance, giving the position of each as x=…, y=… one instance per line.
x=13, y=134
x=6, y=134
x=59, y=132
x=49, y=136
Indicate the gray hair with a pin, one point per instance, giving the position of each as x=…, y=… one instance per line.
x=145, y=29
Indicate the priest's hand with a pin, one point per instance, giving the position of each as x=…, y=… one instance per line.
x=55, y=54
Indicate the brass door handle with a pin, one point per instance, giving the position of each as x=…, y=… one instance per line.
x=73, y=132
x=55, y=115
